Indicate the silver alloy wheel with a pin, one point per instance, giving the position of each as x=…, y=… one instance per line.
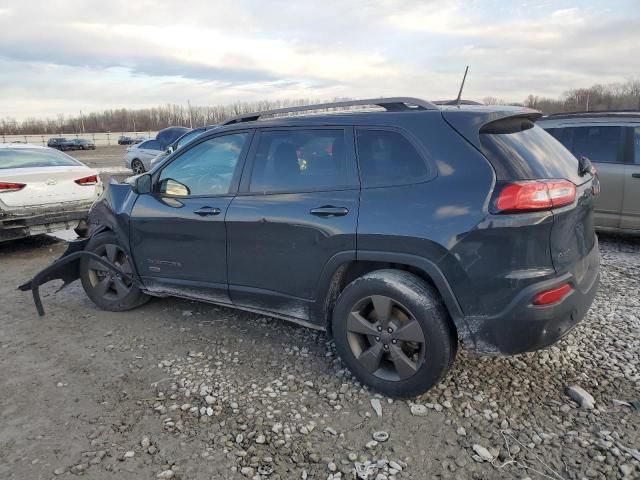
x=106, y=283
x=137, y=166
x=385, y=338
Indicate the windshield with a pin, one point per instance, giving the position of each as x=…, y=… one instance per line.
x=30, y=158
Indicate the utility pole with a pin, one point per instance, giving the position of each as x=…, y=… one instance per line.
x=81, y=121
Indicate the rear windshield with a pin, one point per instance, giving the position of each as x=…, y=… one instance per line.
x=528, y=154
x=29, y=158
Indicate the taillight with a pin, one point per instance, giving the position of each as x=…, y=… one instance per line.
x=90, y=180
x=552, y=296
x=535, y=195
x=11, y=187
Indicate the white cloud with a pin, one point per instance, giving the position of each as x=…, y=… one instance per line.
x=114, y=53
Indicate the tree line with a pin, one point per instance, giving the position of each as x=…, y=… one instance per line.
x=614, y=96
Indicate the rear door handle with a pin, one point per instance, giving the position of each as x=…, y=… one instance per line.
x=635, y=175
x=329, y=211
x=207, y=211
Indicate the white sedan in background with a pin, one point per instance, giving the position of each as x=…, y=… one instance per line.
x=43, y=190
x=138, y=157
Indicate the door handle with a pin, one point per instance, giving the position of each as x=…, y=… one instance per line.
x=207, y=211
x=635, y=175
x=329, y=211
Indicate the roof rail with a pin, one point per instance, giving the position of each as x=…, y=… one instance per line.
x=392, y=104
x=595, y=113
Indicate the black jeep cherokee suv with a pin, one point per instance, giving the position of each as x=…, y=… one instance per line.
x=400, y=231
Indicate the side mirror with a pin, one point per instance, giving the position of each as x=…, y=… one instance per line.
x=170, y=150
x=174, y=188
x=142, y=184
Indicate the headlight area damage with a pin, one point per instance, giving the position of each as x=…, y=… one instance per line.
x=107, y=212
x=67, y=269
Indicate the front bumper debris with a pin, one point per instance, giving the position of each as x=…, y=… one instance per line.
x=67, y=269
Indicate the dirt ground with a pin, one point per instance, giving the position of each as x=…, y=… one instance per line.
x=177, y=389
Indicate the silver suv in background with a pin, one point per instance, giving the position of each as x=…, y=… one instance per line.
x=611, y=140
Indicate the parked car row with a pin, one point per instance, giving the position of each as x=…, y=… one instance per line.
x=403, y=232
x=65, y=144
x=125, y=140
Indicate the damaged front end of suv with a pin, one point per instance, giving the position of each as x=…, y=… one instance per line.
x=108, y=212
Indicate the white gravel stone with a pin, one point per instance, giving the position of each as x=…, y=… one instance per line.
x=581, y=396
x=419, y=410
x=165, y=474
x=483, y=453
x=377, y=406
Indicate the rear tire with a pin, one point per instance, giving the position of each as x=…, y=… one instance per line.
x=109, y=291
x=393, y=332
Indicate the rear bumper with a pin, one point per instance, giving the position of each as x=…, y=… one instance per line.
x=523, y=327
x=19, y=226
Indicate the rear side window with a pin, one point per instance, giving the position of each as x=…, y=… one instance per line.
x=599, y=144
x=301, y=160
x=388, y=158
x=527, y=153
x=32, y=158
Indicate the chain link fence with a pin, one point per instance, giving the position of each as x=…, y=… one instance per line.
x=99, y=139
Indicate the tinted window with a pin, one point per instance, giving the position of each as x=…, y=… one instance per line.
x=188, y=137
x=599, y=144
x=528, y=155
x=151, y=145
x=300, y=160
x=205, y=169
x=388, y=158
x=636, y=143
x=29, y=158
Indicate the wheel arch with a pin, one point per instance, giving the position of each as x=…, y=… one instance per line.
x=343, y=271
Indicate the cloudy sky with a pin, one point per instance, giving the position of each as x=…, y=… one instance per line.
x=65, y=56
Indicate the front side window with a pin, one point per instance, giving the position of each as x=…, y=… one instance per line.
x=388, y=158
x=205, y=169
x=599, y=144
x=300, y=160
x=188, y=137
x=636, y=145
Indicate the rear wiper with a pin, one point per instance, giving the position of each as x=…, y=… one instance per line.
x=585, y=166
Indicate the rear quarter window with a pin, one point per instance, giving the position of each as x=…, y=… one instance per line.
x=388, y=158
x=528, y=153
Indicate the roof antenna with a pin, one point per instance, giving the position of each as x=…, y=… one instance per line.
x=462, y=86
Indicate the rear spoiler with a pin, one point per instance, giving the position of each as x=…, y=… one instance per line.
x=469, y=121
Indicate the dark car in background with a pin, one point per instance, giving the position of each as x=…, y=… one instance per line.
x=401, y=231
x=60, y=143
x=83, y=144
x=611, y=141
x=124, y=140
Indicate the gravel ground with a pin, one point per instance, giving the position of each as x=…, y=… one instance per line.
x=178, y=389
